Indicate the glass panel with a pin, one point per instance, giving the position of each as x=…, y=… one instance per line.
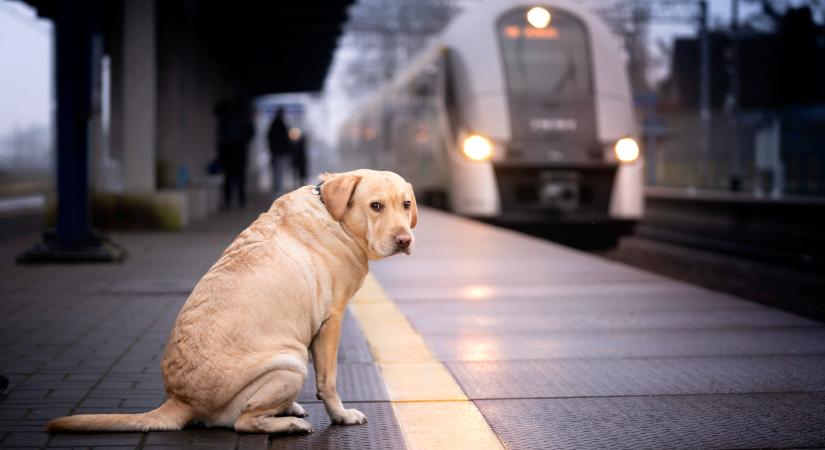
x=551, y=62
x=548, y=72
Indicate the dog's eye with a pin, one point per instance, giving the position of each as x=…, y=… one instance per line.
x=377, y=207
x=407, y=204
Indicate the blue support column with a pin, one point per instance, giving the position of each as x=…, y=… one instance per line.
x=73, y=43
x=73, y=240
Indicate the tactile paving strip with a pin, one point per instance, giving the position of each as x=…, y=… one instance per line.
x=626, y=344
x=665, y=422
x=380, y=432
x=646, y=376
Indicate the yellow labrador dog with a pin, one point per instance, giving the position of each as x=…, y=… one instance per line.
x=237, y=355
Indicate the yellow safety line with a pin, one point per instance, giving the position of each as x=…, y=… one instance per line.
x=432, y=409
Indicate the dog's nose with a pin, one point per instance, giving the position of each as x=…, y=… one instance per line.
x=403, y=240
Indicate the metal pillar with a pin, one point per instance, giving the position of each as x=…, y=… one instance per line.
x=732, y=104
x=704, y=94
x=73, y=240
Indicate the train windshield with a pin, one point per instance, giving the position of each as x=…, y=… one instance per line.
x=551, y=61
x=548, y=75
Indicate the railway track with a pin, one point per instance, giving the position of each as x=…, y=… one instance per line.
x=770, y=251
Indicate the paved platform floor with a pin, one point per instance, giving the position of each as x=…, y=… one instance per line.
x=88, y=339
x=556, y=348
x=560, y=349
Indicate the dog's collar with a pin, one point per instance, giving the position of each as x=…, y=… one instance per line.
x=317, y=191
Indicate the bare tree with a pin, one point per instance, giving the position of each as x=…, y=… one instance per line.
x=769, y=16
x=631, y=22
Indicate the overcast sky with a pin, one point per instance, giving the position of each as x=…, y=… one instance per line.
x=25, y=58
x=26, y=61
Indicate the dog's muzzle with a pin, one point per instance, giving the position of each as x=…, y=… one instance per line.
x=403, y=243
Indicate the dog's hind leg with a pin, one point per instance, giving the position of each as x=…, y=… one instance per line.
x=275, y=397
x=295, y=410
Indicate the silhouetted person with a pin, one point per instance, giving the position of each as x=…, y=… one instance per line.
x=299, y=156
x=235, y=130
x=279, y=148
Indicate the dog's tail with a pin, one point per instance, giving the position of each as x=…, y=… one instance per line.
x=171, y=415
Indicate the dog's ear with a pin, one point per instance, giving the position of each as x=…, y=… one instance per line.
x=413, y=207
x=337, y=193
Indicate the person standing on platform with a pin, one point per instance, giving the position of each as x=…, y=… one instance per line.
x=279, y=149
x=235, y=130
x=299, y=155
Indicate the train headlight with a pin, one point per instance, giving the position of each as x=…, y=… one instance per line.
x=538, y=17
x=477, y=148
x=627, y=150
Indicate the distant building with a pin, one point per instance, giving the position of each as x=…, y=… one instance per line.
x=785, y=69
x=775, y=143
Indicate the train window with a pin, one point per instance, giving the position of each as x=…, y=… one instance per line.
x=551, y=62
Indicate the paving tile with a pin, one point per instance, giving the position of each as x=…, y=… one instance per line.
x=48, y=413
x=24, y=394
x=626, y=344
x=101, y=402
x=187, y=447
x=96, y=447
x=620, y=290
x=531, y=319
x=106, y=447
x=148, y=403
x=110, y=410
x=67, y=394
x=90, y=340
x=353, y=348
x=94, y=439
x=380, y=432
x=557, y=299
x=358, y=382
x=193, y=437
x=659, y=422
x=639, y=376
x=253, y=441
x=9, y=412
x=25, y=439
x=566, y=350
x=23, y=423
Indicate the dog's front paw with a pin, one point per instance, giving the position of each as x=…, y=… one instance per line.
x=349, y=417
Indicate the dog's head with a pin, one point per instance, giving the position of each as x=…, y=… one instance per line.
x=377, y=207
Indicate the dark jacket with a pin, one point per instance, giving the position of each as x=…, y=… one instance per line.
x=278, y=137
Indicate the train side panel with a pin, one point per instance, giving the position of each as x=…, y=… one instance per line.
x=471, y=96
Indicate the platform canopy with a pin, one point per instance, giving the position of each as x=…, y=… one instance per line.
x=264, y=46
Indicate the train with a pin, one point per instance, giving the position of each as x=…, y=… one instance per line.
x=517, y=110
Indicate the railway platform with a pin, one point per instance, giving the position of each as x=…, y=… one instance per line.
x=483, y=338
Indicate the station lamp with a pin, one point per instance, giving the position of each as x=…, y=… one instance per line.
x=538, y=17
x=477, y=148
x=627, y=150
